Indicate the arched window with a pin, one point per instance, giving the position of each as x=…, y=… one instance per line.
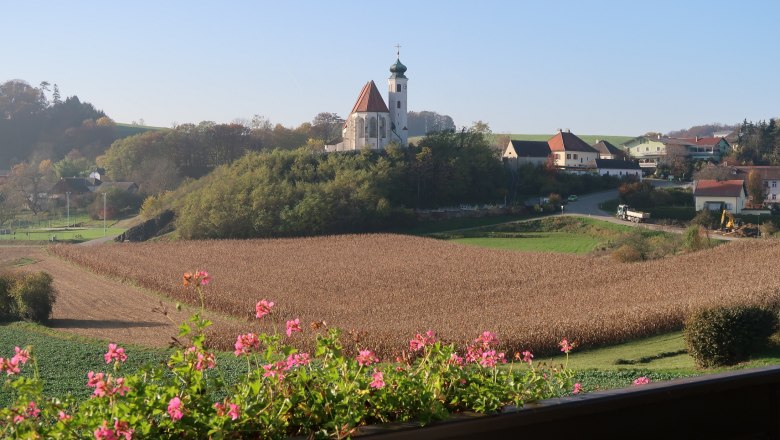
x=382, y=130
x=359, y=130
x=372, y=127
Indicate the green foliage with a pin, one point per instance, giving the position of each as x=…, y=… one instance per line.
x=533, y=181
x=726, y=335
x=638, y=195
x=627, y=254
x=695, y=238
x=283, y=392
x=28, y=296
x=118, y=204
x=706, y=219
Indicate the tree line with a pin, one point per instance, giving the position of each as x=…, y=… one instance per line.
x=758, y=143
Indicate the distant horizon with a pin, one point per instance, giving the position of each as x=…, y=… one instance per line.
x=522, y=67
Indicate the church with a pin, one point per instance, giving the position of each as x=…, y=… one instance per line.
x=371, y=123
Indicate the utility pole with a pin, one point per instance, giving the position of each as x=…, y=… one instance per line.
x=67, y=198
x=104, y=214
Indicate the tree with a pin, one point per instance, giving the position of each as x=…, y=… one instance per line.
x=425, y=122
x=29, y=184
x=756, y=188
x=327, y=127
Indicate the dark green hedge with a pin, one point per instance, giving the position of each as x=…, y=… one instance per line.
x=727, y=335
x=28, y=297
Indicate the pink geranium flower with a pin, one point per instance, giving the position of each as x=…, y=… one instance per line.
x=378, y=380
x=577, y=388
x=421, y=341
x=123, y=429
x=566, y=346
x=528, y=357
x=63, y=416
x=115, y=353
x=294, y=326
x=235, y=411
x=103, y=432
x=20, y=356
x=642, y=381
x=175, y=409
x=366, y=357
x=263, y=308
x=203, y=276
x=298, y=359
x=245, y=343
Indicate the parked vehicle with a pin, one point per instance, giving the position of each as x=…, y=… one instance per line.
x=572, y=198
x=626, y=213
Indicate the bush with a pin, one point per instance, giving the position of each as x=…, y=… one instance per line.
x=727, y=335
x=627, y=254
x=26, y=296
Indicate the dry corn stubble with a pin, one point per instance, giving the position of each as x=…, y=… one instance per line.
x=388, y=287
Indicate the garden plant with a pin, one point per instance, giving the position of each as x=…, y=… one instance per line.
x=284, y=392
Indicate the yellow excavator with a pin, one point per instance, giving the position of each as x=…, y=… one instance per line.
x=728, y=222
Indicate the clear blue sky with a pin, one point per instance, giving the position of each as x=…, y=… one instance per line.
x=596, y=67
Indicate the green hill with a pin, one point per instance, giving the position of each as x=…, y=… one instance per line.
x=126, y=130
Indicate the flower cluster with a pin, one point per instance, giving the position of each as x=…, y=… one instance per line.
x=12, y=366
x=263, y=308
x=198, y=278
x=483, y=351
x=246, y=343
x=119, y=430
x=106, y=385
x=201, y=359
x=366, y=357
x=642, y=381
x=420, y=341
x=115, y=353
x=294, y=326
x=566, y=346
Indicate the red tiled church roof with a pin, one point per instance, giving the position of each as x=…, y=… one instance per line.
x=719, y=188
x=370, y=100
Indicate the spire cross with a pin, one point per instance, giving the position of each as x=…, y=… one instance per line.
x=398, y=50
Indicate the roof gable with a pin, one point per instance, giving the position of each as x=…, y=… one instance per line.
x=604, y=147
x=531, y=148
x=370, y=100
x=567, y=141
x=719, y=188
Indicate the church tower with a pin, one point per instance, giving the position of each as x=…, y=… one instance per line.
x=397, y=98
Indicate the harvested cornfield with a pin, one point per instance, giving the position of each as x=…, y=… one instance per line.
x=387, y=287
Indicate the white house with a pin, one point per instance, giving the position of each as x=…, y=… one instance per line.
x=625, y=169
x=769, y=174
x=570, y=152
x=716, y=195
x=519, y=153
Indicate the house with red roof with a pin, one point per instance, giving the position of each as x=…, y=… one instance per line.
x=769, y=174
x=717, y=195
x=569, y=152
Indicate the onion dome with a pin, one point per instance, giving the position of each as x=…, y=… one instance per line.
x=397, y=69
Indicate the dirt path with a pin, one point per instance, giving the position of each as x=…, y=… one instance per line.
x=92, y=305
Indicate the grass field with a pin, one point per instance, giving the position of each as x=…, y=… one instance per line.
x=564, y=242
x=72, y=235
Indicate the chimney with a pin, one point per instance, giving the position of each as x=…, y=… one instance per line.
x=568, y=131
x=560, y=130
x=659, y=135
x=697, y=138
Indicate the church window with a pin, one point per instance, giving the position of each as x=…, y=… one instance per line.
x=359, y=129
x=382, y=130
x=398, y=104
x=398, y=87
x=372, y=127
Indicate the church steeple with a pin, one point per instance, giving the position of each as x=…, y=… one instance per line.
x=397, y=100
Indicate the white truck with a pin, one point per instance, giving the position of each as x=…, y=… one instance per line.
x=626, y=213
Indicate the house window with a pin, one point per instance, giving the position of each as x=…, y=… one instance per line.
x=657, y=148
x=398, y=87
x=575, y=157
x=568, y=156
x=774, y=196
x=557, y=156
x=398, y=104
x=774, y=184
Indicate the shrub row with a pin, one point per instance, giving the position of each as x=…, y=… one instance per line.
x=28, y=296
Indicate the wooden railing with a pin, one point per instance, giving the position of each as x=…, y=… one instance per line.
x=742, y=405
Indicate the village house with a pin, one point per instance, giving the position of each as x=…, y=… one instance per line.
x=653, y=150
x=624, y=169
x=572, y=153
x=717, y=195
x=565, y=151
x=770, y=176
x=519, y=153
x=608, y=151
